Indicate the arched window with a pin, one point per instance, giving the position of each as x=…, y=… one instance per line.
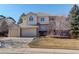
x=42, y=19
x=30, y=18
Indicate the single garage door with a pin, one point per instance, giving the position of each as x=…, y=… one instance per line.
x=28, y=32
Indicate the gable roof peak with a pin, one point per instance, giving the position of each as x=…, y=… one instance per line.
x=31, y=13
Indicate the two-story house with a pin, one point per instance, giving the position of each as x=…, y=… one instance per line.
x=42, y=24
x=35, y=24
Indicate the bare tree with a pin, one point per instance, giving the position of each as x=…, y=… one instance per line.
x=51, y=26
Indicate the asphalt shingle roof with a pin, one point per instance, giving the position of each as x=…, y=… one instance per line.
x=43, y=14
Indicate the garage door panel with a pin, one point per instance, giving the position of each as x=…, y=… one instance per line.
x=28, y=32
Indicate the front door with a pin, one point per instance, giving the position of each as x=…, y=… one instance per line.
x=42, y=33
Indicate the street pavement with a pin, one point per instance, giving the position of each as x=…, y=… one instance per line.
x=36, y=51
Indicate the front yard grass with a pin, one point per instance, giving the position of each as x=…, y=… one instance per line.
x=54, y=43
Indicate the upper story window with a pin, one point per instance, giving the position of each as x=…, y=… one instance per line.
x=42, y=19
x=30, y=18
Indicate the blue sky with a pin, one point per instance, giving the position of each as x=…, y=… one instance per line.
x=15, y=10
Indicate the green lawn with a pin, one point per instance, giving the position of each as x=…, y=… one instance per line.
x=56, y=43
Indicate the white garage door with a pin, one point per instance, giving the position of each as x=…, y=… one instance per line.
x=28, y=32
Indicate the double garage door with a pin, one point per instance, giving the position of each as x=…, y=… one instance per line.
x=28, y=32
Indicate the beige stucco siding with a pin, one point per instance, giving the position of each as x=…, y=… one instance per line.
x=26, y=21
x=36, y=19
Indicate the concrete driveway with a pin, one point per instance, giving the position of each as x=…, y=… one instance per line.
x=18, y=38
x=9, y=42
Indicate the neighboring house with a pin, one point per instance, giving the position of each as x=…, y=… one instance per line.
x=5, y=24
